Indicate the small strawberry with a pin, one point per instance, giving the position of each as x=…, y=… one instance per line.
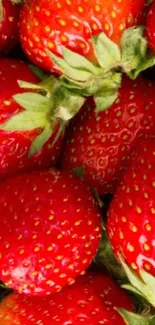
x=50, y=229
x=91, y=300
x=131, y=221
x=20, y=128
x=47, y=25
x=100, y=142
x=9, y=21
x=150, y=26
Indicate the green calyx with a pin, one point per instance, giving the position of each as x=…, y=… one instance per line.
x=102, y=80
x=105, y=258
x=143, y=285
x=43, y=106
x=135, y=319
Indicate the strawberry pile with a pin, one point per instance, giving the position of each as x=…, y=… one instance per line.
x=77, y=162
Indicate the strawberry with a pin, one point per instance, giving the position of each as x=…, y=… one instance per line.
x=9, y=21
x=48, y=24
x=150, y=27
x=18, y=131
x=131, y=222
x=50, y=229
x=100, y=142
x=91, y=300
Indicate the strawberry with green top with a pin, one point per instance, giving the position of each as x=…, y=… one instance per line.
x=48, y=25
x=50, y=229
x=9, y=25
x=21, y=127
x=131, y=220
x=100, y=142
x=91, y=300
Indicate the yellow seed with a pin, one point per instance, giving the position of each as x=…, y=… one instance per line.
x=146, y=247
x=36, y=249
x=148, y=227
x=48, y=266
x=134, y=266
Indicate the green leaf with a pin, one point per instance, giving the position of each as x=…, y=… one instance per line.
x=105, y=258
x=135, y=55
x=16, y=1
x=68, y=105
x=25, y=121
x=79, y=62
x=104, y=100
x=134, y=319
x=29, y=85
x=40, y=140
x=143, y=284
x=144, y=65
x=64, y=67
x=107, y=52
x=38, y=72
x=79, y=171
x=33, y=102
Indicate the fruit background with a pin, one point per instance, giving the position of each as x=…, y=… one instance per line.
x=77, y=162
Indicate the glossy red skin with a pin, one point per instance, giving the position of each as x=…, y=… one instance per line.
x=131, y=221
x=101, y=143
x=9, y=26
x=50, y=24
x=51, y=221
x=150, y=27
x=91, y=300
x=14, y=146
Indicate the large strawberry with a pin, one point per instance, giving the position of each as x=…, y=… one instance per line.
x=9, y=24
x=91, y=300
x=131, y=221
x=50, y=229
x=100, y=142
x=48, y=25
x=20, y=127
x=150, y=27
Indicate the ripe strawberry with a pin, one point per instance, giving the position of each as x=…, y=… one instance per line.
x=131, y=222
x=150, y=26
x=15, y=144
x=101, y=142
x=92, y=300
x=51, y=24
x=9, y=21
x=50, y=229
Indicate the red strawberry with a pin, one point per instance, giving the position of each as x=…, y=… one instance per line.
x=150, y=26
x=50, y=24
x=50, y=229
x=101, y=143
x=91, y=300
x=15, y=144
x=131, y=222
x=9, y=20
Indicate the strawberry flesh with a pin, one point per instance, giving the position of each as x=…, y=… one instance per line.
x=91, y=300
x=50, y=229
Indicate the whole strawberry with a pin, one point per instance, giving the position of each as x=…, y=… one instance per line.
x=101, y=142
x=9, y=25
x=131, y=221
x=150, y=26
x=20, y=128
x=92, y=300
x=51, y=24
x=50, y=230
